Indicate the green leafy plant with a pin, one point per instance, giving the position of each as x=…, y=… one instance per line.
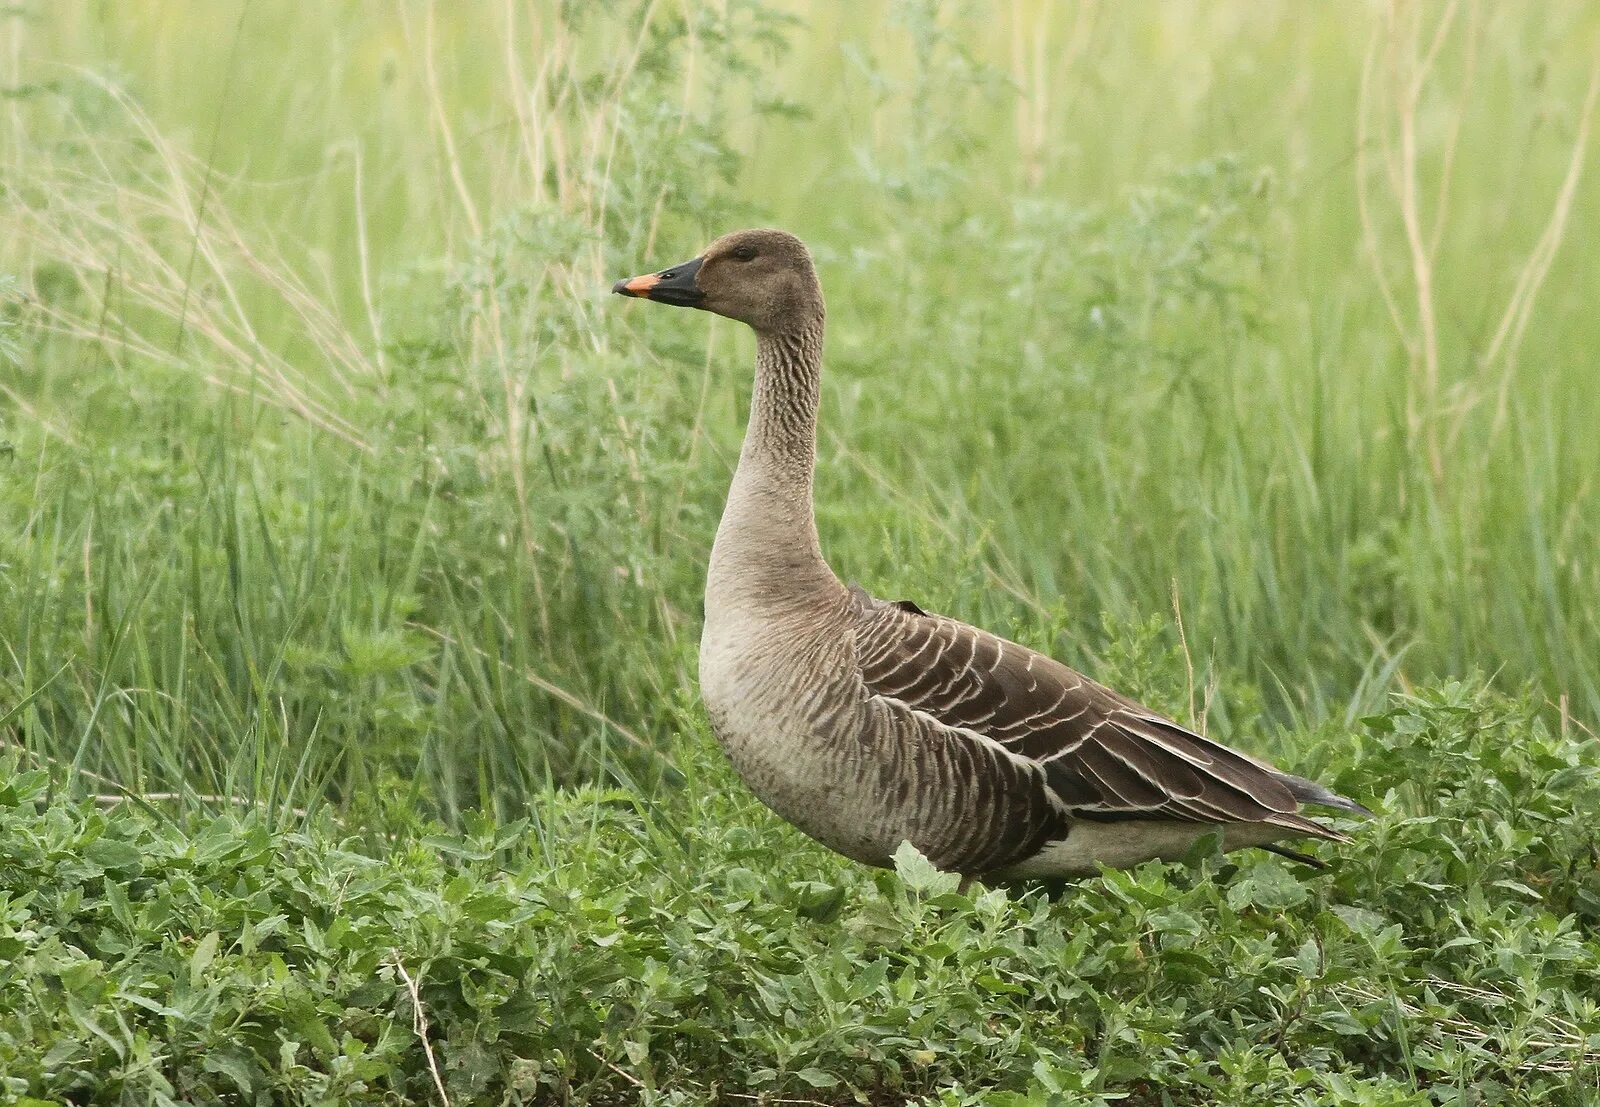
x=605, y=948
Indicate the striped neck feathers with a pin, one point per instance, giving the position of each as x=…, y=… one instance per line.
x=767, y=548
x=783, y=405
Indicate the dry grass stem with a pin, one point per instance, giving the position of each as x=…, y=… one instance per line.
x=419, y=1025
x=1560, y=1035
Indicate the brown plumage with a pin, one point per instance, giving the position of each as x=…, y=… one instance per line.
x=868, y=723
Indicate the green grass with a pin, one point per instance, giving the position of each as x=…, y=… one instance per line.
x=336, y=486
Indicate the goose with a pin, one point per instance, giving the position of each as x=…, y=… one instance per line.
x=868, y=724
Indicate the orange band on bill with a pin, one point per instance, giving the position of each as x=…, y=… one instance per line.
x=638, y=286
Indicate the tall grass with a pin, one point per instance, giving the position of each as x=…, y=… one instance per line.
x=334, y=476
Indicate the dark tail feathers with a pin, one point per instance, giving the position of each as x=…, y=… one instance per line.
x=1309, y=791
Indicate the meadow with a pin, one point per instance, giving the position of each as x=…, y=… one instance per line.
x=352, y=538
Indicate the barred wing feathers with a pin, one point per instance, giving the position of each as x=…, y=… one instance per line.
x=1103, y=756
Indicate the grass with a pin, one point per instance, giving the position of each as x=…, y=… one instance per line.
x=1238, y=355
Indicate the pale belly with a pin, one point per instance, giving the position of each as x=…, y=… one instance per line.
x=1120, y=845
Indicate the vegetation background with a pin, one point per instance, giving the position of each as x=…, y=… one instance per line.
x=351, y=539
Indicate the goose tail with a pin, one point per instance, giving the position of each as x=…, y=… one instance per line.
x=1309, y=791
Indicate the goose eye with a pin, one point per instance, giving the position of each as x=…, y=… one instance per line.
x=745, y=253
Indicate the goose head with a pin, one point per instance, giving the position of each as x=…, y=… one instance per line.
x=763, y=278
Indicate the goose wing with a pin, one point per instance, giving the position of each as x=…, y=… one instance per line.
x=1103, y=756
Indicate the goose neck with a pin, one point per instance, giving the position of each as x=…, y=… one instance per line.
x=783, y=405
x=767, y=552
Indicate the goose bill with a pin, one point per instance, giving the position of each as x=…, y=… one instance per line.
x=673, y=286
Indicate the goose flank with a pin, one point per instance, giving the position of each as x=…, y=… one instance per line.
x=867, y=723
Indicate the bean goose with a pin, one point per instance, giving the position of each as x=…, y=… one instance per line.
x=867, y=724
